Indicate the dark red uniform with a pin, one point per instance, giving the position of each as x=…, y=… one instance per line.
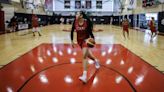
x=83, y=32
x=13, y=21
x=152, y=26
x=126, y=26
x=35, y=21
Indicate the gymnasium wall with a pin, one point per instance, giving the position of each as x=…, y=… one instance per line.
x=19, y=9
x=139, y=9
x=152, y=9
x=161, y=22
x=16, y=7
x=116, y=6
x=8, y=12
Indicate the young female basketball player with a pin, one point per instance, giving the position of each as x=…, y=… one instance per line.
x=35, y=25
x=13, y=24
x=84, y=27
x=125, y=25
x=152, y=28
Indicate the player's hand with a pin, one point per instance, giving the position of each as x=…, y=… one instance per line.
x=73, y=44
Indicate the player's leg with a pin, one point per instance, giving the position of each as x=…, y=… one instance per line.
x=151, y=39
x=85, y=54
x=91, y=56
x=38, y=30
x=33, y=31
x=128, y=33
x=155, y=34
x=124, y=33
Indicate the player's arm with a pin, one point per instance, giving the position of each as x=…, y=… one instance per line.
x=150, y=23
x=122, y=23
x=89, y=29
x=154, y=23
x=72, y=30
x=129, y=24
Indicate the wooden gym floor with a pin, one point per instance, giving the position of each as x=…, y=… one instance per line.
x=13, y=45
x=26, y=59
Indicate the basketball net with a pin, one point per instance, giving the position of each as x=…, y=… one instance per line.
x=127, y=4
x=131, y=4
x=122, y=5
x=38, y=4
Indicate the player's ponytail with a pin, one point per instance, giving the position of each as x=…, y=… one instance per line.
x=87, y=18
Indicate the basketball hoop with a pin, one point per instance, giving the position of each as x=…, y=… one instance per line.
x=122, y=6
x=42, y=2
x=131, y=4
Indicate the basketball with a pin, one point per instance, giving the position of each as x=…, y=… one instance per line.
x=90, y=42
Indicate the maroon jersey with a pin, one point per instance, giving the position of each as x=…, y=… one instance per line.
x=152, y=26
x=81, y=30
x=35, y=21
x=125, y=25
x=14, y=21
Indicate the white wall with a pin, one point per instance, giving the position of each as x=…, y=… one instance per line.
x=18, y=1
x=154, y=9
x=139, y=9
x=8, y=11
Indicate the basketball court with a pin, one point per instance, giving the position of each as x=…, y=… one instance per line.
x=49, y=63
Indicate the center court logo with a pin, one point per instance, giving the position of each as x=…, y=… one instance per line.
x=162, y=21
